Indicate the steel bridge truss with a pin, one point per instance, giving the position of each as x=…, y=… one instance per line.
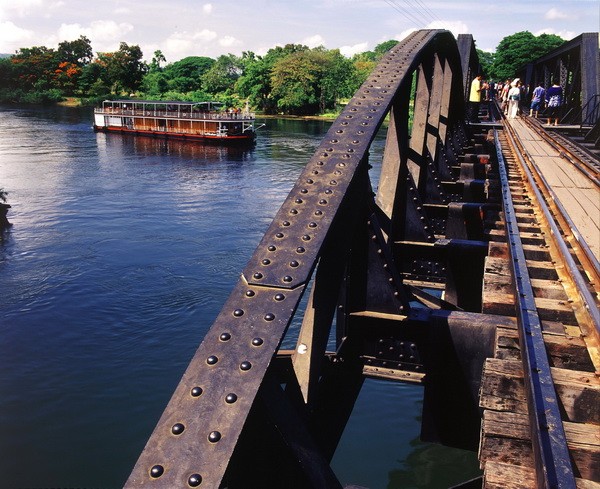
x=576, y=67
x=393, y=280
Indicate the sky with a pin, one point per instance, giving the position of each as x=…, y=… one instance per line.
x=181, y=28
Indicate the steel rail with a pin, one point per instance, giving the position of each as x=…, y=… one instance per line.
x=586, y=257
x=551, y=453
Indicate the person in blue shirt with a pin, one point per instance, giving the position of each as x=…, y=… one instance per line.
x=536, y=99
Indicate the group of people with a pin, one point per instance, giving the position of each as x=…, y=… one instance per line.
x=511, y=93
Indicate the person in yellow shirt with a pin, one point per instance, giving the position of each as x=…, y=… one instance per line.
x=474, y=99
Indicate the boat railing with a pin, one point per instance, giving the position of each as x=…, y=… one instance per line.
x=177, y=115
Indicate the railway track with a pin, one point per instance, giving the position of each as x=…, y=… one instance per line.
x=541, y=392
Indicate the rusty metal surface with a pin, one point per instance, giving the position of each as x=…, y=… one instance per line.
x=197, y=434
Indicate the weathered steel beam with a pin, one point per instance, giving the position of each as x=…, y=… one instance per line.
x=198, y=433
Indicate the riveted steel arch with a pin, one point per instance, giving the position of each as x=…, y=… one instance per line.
x=242, y=403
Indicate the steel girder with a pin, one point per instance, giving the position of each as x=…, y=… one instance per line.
x=230, y=409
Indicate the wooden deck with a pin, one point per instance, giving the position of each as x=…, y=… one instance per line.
x=506, y=453
x=576, y=193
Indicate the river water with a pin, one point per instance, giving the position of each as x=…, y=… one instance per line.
x=121, y=254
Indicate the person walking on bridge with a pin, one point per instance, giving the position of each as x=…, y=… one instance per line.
x=536, y=99
x=554, y=100
x=475, y=99
x=514, y=96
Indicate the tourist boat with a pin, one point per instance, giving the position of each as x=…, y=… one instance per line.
x=206, y=121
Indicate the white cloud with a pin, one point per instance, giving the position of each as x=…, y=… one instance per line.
x=555, y=14
x=229, y=41
x=403, y=34
x=12, y=36
x=456, y=27
x=98, y=30
x=313, y=41
x=122, y=10
x=207, y=8
x=20, y=8
x=181, y=44
x=567, y=35
x=350, y=51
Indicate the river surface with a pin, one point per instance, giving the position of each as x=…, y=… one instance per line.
x=121, y=254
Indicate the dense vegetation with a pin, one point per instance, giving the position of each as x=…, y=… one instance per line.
x=293, y=79
x=514, y=52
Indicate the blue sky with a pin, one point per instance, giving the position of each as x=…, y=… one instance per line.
x=182, y=28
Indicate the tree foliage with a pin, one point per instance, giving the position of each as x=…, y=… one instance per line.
x=516, y=50
x=290, y=79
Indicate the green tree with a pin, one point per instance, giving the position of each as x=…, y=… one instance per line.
x=185, y=75
x=255, y=83
x=158, y=58
x=124, y=68
x=222, y=75
x=295, y=81
x=78, y=52
x=34, y=67
x=515, y=51
x=486, y=60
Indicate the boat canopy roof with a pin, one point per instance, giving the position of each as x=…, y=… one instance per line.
x=171, y=103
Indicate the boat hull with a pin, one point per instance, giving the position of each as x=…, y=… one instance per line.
x=229, y=139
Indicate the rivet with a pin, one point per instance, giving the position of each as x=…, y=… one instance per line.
x=240, y=312
x=298, y=201
x=334, y=141
x=304, y=191
x=320, y=163
x=194, y=480
x=294, y=264
x=196, y=391
x=294, y=211
x=212, y=359
x=300, y=249
x=269, y=316
x=271, y=248
x=279, y=235
x=310, y=181
x=306, y=237
x=250, y=293
x=324, y=155
x=333, y=182
x=287, y=278
x=323, y=202
x=342, y=164
x=286, y=223
x=214, y=436
x=328, y=191
x=156, y=471
x=279, y=297
x=257, y=342
x=318, y=213
x=312, y=224
x=230, y=398
x=225, y=336
x=266, y=261
x=245, y=365
x=177, y=429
